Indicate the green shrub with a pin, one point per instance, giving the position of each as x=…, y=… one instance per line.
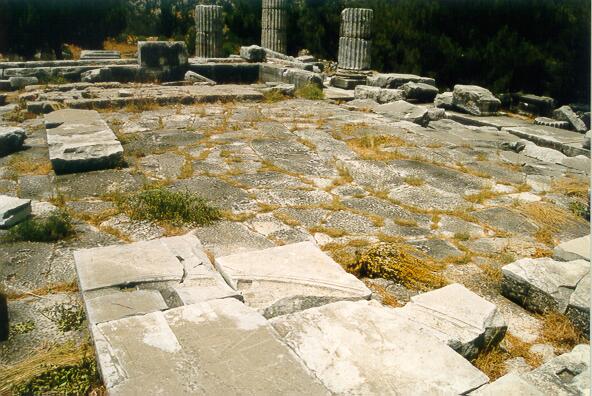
x=310, y=91
x=57, y=225
x=176, y=207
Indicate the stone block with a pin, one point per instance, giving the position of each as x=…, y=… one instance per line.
x=11, y=139
x=405, y=111
x=536, y=105
x=475, y=100
x=356, y=23
x=212, y=348
x=444, y=101
x=565, y=113
x=297, y=77
x=79, y=140
x=395, y=80
x=194, y=77
x=21, y=82
x=289, y=278
x=380, y=95
x=43, y=106
x=551, y=122
x=578, y=310
x=574, y=249
x=354, y=53
x=458, y=317
x=542, y=284
x=5, y=85
x=253, y=53
x=364, y=348
x=13, y=210
x=122, y=304
x=348, y=82
x=168, y=60
x=420, y=92
x=97, y=75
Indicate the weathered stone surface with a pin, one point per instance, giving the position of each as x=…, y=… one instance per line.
x=509, y=384
x=568, y=142
x=365, y=348
x=96, y=75
x=284, y=89
x=21, y=82
x=80, y=140
x=195, y=77
x=253, y=53
x=420, y=92
x=209, y=25
x=122, y=304
x=43, y=106
x=551, y=122
x=578, y=309
x=347, y=82
x=11, y=139
x=289, y=278
x=575, y=249
x=395, y=80
x=405, y=111
x=298, y=77
x=565, y=113
x=178, y=259
x=380, y=95
x=474, y=100
x=506, y=220
x=13, y=210
x=216, y=347
x=444, y=100
x=542, y=284
x=458, y=317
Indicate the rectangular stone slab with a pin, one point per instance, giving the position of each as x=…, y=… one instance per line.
x=575, y=249
x=498, y=122
x=364, y=348
x=289, y=278
x=123, y=304
x=568, y=142
x=220, y=347
x=79, y=140
x=179, y=259
x=13, y=210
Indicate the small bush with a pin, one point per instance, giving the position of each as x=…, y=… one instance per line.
x=67, y=317
x=273, y=96
x=176, y=207
x=311, y=92
x=56, y=226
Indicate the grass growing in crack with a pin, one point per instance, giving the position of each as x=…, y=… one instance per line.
x=161, y=204
x=370, y=147
x=481, y=196
x=311, y=92
x=56, y=226
x=67, y=316
x=400, y=263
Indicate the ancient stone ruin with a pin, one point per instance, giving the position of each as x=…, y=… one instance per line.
x=258, y=224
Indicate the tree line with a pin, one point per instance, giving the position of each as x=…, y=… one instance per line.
x=536, y=46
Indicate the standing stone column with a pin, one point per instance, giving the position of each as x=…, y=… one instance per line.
x=208, y=31
x=274, y=21
x=354, y=40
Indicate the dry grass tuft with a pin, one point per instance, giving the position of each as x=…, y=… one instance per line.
x=550, y=218
x=386, y=298
x=414, y=181
x=370, y=147
x=572, y=187
x=22, y=165
x=400, y=263
x=287, y=219
x=405, y=222
x=68, y=287
x=481, y=196
x=560, y=332
x=331, y=231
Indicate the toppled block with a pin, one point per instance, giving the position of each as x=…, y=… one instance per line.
x=97, y=75
x=419, y=92
x=43, y=106
x=253, y=53
x=575, y=249
x=551, y=122
x=542, y=284
x=405, y=111
x=212, y=348
x=289, y=278
x=195, y=77
x=348, y=81
x=11, y=139
x=13, y=210
x=364, y=348
x=536, y=105
x=568, y=142
x=435, y=113
x=395, y=80
x=458, y=317
x=79, y=140
x=21, y=82
x=475, y=100
x=284, y=89
x=380, y=95
x=444, y=101
x=165, y=59
x=565, y=113
x=298, y=77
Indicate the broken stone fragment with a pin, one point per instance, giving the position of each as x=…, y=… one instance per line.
x=21, y=82
x=444, y=101
x=13, y=210
x=458, y=317
x=475, y=100
x=381, y=350
x=395, y=80
x=284, y=89
x=43, y=107
x=11, y=139
x=380, y=95
x=578, y=310
x=542, y=284
x=289, y=278
x=565, y=113
x=574, y=249
x=195, y=77
x=97, y=75
x=253, y=53
x=405, y=111
x=419, y=92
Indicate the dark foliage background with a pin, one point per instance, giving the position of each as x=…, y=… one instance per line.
x=537, y=46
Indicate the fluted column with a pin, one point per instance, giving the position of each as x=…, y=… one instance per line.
x=274, y=22
x=208, y=31
x=354, y=40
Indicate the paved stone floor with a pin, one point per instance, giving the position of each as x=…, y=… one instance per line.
x=297, y=170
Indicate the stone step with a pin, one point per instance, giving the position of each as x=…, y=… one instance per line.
x=79, y=140
x=365, y=348
x=289, y=278
x=568, y=142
